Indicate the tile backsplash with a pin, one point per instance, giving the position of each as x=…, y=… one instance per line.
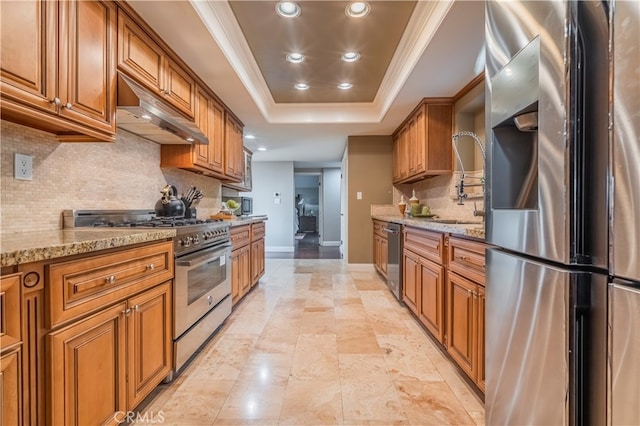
x=125, y=174
x=439, y=193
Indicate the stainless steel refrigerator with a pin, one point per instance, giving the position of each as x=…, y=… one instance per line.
x=624, y=265
x=548, y=84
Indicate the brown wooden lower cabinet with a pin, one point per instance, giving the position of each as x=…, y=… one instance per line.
x=11, y=388
x=443, y=285
x=423, y=291
x=257, y=261
x=240, y=273
x=91, y=359
x=465, y=326
x=247, y=258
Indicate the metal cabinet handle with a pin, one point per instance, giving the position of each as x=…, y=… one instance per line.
x=126, y=312
x=463, y=258
x=110, y=279
x=136, y=308
x=68, y=105
x=56, y=101
x=151, y=267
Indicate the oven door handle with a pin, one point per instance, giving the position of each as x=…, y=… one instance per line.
x=203, y=257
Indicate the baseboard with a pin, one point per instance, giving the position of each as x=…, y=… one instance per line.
x=281, y=249
x=330, y=243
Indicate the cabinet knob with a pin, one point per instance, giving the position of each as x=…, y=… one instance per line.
x=126, y=312
x=151, y=267
x=110, y=279
x=68, y=105
x=136, y=308
x=463, y=258
x=56, y=101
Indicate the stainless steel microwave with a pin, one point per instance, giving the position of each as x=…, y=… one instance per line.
x=246, y=206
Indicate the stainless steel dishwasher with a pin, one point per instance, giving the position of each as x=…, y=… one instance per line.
x=394, y=259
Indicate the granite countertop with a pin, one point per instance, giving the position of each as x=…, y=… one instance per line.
x=32, y=246
x=246, y=220
x=469, y=230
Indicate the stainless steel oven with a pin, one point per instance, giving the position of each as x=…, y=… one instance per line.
x=202, y=301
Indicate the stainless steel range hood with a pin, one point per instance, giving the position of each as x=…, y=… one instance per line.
x=143, y=114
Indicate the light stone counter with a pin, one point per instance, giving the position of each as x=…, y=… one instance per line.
x=246, y=220
x=468, y=230
x=32, y=246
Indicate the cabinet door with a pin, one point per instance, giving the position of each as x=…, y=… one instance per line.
x=215, y=133
x=28, y=58
x=245, y=270
x=412, y=159
x=82, y=355
x=420, y=141
x=87, y=63
x=10, y=310
x=257, y=261
x=179, y=88
x=234, y=155
x=396, y=159
x=138, y=55
x=236, y=276
x=201, y=151
x=431, y=312
x=479, y=344
x=460, y=322
x=411, y=274
x=149, y=341
x=11, y=388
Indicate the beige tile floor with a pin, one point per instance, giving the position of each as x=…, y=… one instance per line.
x=318, y=342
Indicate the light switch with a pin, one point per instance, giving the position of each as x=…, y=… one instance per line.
x=358, y=195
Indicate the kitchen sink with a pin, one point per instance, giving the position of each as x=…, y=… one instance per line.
x=458, y=222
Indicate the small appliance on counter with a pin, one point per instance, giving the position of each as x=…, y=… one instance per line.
x=245, y=205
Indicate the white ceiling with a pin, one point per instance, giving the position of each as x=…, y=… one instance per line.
x=441, y=51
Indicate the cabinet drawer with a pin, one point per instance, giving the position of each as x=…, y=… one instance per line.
x=80, y=286
x=378, y=228
x=257, y=231
x=425, y=243
x=467, y=258
x=10, y=303
x=240, y=236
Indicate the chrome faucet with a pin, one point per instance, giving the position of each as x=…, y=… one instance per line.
x=454, y=141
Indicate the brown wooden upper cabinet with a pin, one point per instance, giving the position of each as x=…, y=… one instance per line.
x=58, y=66
x=144, y=60
x=234, y=150
x=422, y=144
x=206, y=159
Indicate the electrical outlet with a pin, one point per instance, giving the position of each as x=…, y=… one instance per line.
x=23, y=167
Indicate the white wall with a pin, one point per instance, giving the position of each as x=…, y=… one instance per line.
x=270, y=177
x=330, y=232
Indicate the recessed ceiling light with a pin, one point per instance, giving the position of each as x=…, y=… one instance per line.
x=295, y=58
x=350, y=56
x=249, y=136
x=288, y=9
x=301, y=86
x=262, y=148
x=345, y=86
x=357, y=9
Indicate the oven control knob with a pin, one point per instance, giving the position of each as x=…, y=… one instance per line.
x=186, y=242
x=196, y=239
